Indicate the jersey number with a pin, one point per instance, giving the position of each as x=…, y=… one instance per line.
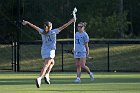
x=49, y=38
x=77, y=41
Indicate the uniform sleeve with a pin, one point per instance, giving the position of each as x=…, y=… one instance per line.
x=41, y=31
x=56, y=31
x=86, y=37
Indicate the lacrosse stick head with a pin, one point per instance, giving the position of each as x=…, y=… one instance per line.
x=90, y=57
x=74, y=12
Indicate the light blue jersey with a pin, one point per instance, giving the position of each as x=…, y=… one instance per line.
x=48, y=43
x=80, y=39
x=49, y=39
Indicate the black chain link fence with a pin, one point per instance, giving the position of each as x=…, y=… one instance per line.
x=106, y=56
x=6, y=57
x=26, y=57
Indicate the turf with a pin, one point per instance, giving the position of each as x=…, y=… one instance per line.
x=62, y=82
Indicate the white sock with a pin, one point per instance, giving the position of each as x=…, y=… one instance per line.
x=39, y=78
x=78, y=78
x=47, y=75
x=91, y=73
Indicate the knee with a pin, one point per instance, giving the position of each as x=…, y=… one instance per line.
x=78, y=65
x=83, y=65
x=45, y=65
x=52, y=62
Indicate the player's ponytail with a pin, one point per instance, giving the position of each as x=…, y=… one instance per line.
x=84, y=24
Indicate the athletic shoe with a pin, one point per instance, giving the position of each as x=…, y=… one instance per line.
x=77, y=80
x=38, y=82
x=91, y=76
x=47, y=79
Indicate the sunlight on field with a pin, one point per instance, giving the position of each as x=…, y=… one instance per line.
x=23, y=82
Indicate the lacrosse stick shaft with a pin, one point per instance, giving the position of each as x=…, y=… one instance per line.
x=74, y=37
x=74, y=15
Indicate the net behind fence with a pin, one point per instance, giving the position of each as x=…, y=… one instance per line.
x=5, y=57
x=115, y=57
x=122, y=57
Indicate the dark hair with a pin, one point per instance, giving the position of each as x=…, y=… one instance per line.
x=46, y=23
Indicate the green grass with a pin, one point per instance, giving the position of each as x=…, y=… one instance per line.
x=22, y=82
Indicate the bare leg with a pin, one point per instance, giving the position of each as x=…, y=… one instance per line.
x=43, y=71
x=78, y=67
x=82, y=63
x=50, y=67
x=45, y=67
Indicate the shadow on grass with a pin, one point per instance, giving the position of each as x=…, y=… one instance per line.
x=25, y=81
x=92, y=90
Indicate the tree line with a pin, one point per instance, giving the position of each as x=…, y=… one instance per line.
x=105, y=18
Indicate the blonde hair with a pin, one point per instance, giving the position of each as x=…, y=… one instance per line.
x=83, y=24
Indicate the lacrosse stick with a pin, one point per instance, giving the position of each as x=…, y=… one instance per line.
x=74, y=15
x=89, y=57
x=72, y=52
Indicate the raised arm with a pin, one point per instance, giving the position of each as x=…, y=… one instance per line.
x=67, y=24
x=31, y=25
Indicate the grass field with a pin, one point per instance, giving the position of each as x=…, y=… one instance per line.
x=62, y=82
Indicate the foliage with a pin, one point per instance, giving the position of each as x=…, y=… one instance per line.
x=108, y=27
x=104, y=18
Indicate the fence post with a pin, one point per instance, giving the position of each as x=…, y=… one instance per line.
x=108, y=58
x=17, y=48
x=18, y=15
x=13, y=55
x=62, y=57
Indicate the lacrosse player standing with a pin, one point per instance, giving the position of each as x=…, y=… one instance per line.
x=81, y=51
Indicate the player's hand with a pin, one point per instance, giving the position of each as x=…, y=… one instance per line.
x=24, y=22
x=73, y=19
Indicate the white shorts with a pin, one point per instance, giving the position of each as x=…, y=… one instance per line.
x=48, y=53
x=80, y=55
